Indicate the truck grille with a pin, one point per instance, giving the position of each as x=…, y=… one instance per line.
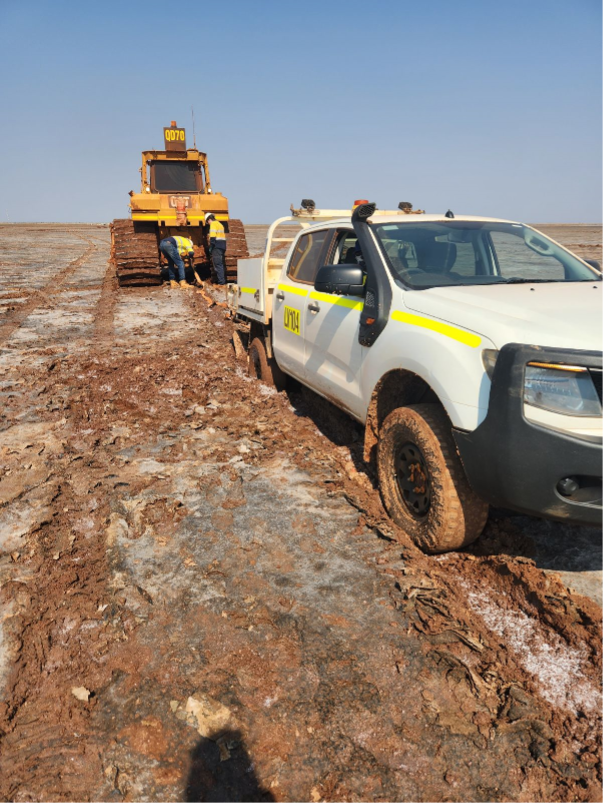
x=596, y=376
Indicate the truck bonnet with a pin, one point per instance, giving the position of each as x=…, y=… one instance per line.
x=562, y=315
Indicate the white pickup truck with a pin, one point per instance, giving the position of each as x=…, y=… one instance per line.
x=470, y=348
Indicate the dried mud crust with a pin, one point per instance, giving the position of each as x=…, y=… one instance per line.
x=526, y=658
x=40, y=296
x=456, y=516
x=207, y=536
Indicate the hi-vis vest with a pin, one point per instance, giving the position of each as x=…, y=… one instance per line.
x=217, y=237
x=183, y=244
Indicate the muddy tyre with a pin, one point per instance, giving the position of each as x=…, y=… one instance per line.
x=422, y=481
x=265, y=368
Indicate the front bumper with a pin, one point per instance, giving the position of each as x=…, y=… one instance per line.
x=512, y=463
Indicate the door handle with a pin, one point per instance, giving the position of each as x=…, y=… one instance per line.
x=314, y=308
x=280, y=295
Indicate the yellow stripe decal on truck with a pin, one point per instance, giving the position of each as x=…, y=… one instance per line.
x=461, y=335
x=340, y=301
x=248, y=290
x=295, y=291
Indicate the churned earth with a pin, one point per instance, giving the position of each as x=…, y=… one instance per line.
x=202, y=599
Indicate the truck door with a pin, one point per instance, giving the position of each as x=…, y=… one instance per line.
x=333, y=355
x=290, y=297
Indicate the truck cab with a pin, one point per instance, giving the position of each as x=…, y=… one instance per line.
x=469, y=347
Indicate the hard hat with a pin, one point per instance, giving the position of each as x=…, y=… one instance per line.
x=207, y=216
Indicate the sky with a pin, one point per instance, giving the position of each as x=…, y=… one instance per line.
x=486, y=108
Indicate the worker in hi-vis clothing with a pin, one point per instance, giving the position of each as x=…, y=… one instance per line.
x=218, y=244
x=174, y=249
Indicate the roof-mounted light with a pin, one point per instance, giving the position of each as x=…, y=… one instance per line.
x=308, y=204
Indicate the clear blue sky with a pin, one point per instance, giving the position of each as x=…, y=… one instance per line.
x=486, y=107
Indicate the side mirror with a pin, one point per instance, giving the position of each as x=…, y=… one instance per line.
x=594, y=264
x=343, y=280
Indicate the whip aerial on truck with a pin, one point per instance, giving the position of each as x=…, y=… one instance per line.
x=469, y=347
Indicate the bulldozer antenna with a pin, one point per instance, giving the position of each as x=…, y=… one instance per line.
x=193, y=119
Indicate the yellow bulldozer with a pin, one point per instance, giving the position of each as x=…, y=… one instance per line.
x=175, y=196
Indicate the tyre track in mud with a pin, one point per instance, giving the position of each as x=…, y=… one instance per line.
x=42, y=753
x=491, y=728
x=103, y=323
x=39, y=733
x=42, y=296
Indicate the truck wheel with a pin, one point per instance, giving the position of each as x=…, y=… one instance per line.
x=264, y=368
x=422, y=481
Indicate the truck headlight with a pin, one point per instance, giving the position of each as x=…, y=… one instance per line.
x=561, y=389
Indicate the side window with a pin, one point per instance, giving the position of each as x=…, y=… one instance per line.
x=515, y=258
x=304, y=263
x=344, y=249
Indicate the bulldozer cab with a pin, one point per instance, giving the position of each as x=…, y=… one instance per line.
x=165, y=172
x=172, y=176
x=175, y=169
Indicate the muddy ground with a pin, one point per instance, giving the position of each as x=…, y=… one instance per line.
x=202, y=599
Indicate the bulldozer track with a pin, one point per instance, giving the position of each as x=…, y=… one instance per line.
x=16, y=317
x=236, y=248
x=134, y=252
x=103, y=319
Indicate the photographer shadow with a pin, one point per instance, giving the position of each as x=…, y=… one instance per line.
x=223, y=771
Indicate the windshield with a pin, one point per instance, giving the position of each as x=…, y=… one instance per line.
x=433, y=254
x=175, y=177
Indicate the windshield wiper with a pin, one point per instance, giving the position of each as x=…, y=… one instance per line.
x=521, y=280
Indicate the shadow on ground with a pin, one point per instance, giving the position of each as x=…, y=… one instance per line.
x=223, y=771
x=551, y=545
x=331, y=422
